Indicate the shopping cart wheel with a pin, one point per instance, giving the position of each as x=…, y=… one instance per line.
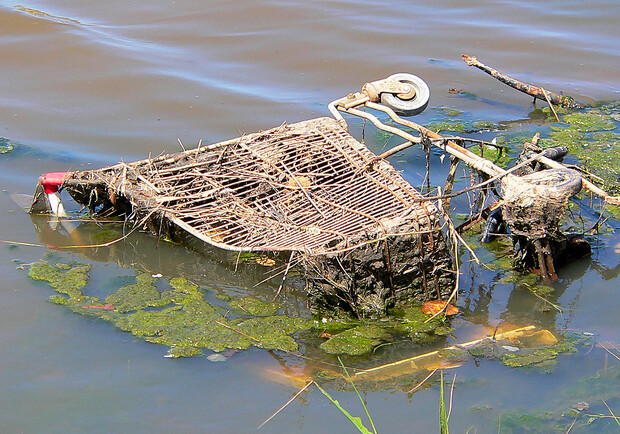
x=412, y=106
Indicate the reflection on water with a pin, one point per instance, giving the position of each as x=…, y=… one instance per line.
x=89, y=83
x=226, y=272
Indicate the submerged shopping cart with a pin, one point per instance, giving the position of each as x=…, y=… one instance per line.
x=363, y=237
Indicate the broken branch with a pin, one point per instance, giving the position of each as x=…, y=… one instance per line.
x=535, y=91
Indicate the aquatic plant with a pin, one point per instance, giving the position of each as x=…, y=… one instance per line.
x=443, y=413
x=179, y=318
x=183, y=320
x=5, y=145
x=355, y=420
x=593, y=137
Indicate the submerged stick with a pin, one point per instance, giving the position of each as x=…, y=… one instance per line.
x=288, y=267
x=287, y=403
x=535, y=91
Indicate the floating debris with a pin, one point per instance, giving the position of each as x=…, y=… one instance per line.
x=436, y=306
x=5, y=145
x=581, y=406
x=217, y=357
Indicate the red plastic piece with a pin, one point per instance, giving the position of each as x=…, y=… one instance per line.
x=52, y=180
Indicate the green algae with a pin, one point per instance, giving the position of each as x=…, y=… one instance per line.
x=529, y=353
x=614, y=210
x=177, y=351
x=564, y=415
x=588, y=121
x=447, y=126
x=5, y=145
x=417, y=325
x=497, y=154
x=457, y=121
x=523, y=421
x=67, y=281
x=355, y=339
x=540, y=357
x=183, y=320
x=178, y=328
x=484, y=125
x=273, y=332
x=353, y=342
x=254, y=306
x=59, y=299
x=451, y=112
x=179, y=318
x=140, y=295
x=593, y=137
x=603, y=385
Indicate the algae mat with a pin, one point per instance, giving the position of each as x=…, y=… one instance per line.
x=179, y=318
x=182, y=319
x=593, y=137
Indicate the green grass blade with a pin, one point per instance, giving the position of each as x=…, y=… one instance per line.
x=359, y=396
x=612, y=413
x=354, y=420
x=443, y=415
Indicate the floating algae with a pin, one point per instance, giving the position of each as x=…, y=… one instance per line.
x=273, y=332
x=451, y=111
x=183, y=320
x=418, y=326
x=68, y=280
x=578, y=408
x=540, y=357
x=5, y=145
x=537, y=350
x=457, y=121
x=588, y=122
x=101, y=237
x=254, y=306
x=411, y=322
x=356, y=341
x=593, y=137
x=179, y=318
x=140, y=295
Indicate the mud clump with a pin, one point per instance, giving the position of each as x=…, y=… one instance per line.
x=413, y=266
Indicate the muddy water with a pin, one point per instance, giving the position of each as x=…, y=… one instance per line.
x=84, y=84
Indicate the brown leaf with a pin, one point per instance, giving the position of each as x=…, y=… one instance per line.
x=436, y=306
x=267, y=262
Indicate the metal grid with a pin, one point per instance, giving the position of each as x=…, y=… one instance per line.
x=305, y=187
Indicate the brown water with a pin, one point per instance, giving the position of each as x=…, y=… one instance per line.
x=86, y=83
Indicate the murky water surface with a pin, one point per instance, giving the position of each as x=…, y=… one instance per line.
x=84, y=84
